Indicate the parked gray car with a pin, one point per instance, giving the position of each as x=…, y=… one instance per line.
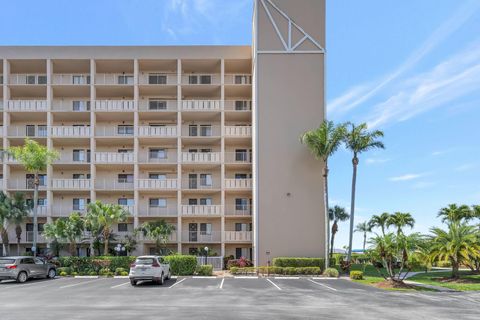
x=23, y=268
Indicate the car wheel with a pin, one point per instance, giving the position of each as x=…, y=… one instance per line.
x=22, y=277
x=51, y=274
x=133, y=282
x=169, y=275
x=162, y=279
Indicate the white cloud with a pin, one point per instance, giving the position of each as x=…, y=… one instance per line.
x=465, y=167
x=376, y=160
x=407, y=177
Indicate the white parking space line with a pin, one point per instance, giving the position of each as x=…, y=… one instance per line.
x=30, y=284
x=245, y=277
x=287, y=278
x=221, y=283
x=323, y=285
x=120, y=285
x=79, y=284
x=274, y=284
x=178, y=282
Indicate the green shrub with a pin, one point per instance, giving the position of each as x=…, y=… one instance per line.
x=289, y=270
x=73, y=274
x=104, y=272
x=92, y=273
x=86, y=264
x=182, y=265
x=65, y=270
x=119, y=271
x=309, y=270
x=234, y=270
x=124, y=274
x=298, y=262
x=356, y=275
x=206, y=270
x=444, y=264
x=63, y=274
x=331, y=272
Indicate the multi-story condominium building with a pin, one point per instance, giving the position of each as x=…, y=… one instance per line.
x=204, y=137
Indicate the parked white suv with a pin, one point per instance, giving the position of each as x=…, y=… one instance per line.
x=149, y=268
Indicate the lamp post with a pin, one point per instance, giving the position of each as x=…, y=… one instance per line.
x=206, y=254
x=119, y=248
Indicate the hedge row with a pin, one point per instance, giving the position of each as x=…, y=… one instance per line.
x=182, y=265
x=292, y=262
x=205, y=270
x=277, y=270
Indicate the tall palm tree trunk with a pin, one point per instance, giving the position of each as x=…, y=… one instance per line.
x=106, y=235
x=6, y=247
x=73, y=248
x=331, y=244
x=352, y=207
x=18, y=231
x=327, y=218
x=36, y=182
x=364, y=240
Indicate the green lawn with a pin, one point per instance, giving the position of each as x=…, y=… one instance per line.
x=467, y=281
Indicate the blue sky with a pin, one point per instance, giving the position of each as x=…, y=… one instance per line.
x=410, y=68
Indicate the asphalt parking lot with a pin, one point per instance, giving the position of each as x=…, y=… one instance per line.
x=229, y=298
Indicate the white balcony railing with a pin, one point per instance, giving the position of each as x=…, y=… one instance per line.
x=67, y=157
x=156, y=184
x=113, y=184
x=71, y=184
x=238, y=79
x=238, y=183
x=27, y=105
x=169, y=157
x=201, y=131
x=201, y=237
x=238, y=210
x=23, y=184
x=238, y=131
x=76, y=105
x=113, y=131
x=157, y=78
x=159, y=212
x=200, y=184
x=200, y=79
x=114, y=157
x=70, y=131
x=66, y=210
x=157, y=105
x=238, y=157
x=27, y=79
x=238, y=236
x=114, y=105
x=71, y=79
x=157, y=131
x=205, y=210
x=201, y=105
x=42, y=211
x=201, y=157
x=114, y=79
x=238, y=105
x=37, y=131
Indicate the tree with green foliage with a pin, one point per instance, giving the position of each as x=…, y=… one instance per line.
x=455, y=213
x=103, y=216
x=66, y=230
x=365, y=228
x=359, y=140
x=52, y=231
x=379, y=221
x=336, y=214
x=158, y=231
x=323, y=142
x=35, y=158
x=5, y=217
x=459, y=244
x=400, y=220
x=20, y=208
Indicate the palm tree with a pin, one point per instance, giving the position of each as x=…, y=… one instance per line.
x=105, y=215
x=359, y=140
x=455, y=213
x=457, y=245
x=364, y=227
x=336, y=214
x=158, y=231
x=53, y=231
x=379, y=221
x=5, y=214
x=73, y=229
x=323, y=142
x=20, y=209
x=35, y=158
x=400, y=220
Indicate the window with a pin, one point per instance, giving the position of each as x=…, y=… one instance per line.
x=192, y=202
x=42, y=201
x=125, y=150
x=243, y=227
x=157, y=176
x=192, y=130
x=78, y=105
x=157, y=203
x=157, y=78
x=125, y=129
x=27, y=261
x=192, y=79
x=126, y=202
x=238, y=253
x=157, y=105
x=242, y=79
x=206, y=150
x=30, y=130
x=30, y=79
x=29, y=227
x=42, y=80
x=242, y=105
x=123, y=227
x=206, y=180
x=125, y=178
x=124, y=79
x=42, y=131
x=205, y=228
x=205, y=79
x=241, y=155
x=157, y=153
x=241, y=204
x=205, y=201
x=81, y=155
x=241, y=176
x=79, y=79
x=30, y=178
x=205, y=130
x=81, y=176
x=79, y=204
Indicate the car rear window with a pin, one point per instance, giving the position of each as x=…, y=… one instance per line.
x=7, y=261
x=144, y=261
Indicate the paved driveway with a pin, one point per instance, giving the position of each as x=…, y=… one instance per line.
x=230, y=298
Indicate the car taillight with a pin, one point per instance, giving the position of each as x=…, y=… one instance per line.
x=11, y=267
x=155, y=264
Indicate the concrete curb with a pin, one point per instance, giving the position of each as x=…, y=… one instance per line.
x=86, y=277
x=245, y=277
x=120, y=277
x=204, y=277
x=428, y=286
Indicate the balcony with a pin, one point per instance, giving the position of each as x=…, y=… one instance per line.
x=202, y=210
x=71, y=79
x=157, y=184
x=201, y=79
x=113, y=184
x=157, y=131
x=129, y=209
x=201, y=105
x=114, y=79
x=159, y=212
x=238, y=184
x=238, y=236
x=158, y=105
x=71, y=184
x=23, y=184
x=201, y=157
x=171, y=238
x=114, y=157
x=29, y=237
x=239, y=210
x=238, y=131
x=200, y=184
x=42, y=211
x=27, y=79
x=157, y=78
x=114, y=131
x=114, y=105
x=169, y=156
x=69, y=158
x=27, y=105
x=70, y=131
x=66, y=210
x=245, y=79
x=238, y=105
x=201, y=236
x=201, y=131
x=76, y=105
x=238, y=157
x=33, y=131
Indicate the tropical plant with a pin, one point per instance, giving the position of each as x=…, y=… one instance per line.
x=323, y=142
x=336, y=214
x=35, y=158
x=457, y=245
x=400, y=220
x=379, y=221
x=104, y=216
x=359, y=140
x=20, y=208
x=158, y=231
x=455, y=213
x=66, y=230
x=365, y=228
x=52, y=232
x=5, y=215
